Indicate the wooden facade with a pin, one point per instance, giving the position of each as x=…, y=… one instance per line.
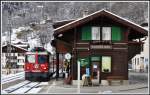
x=95, y=51
x=16, y=57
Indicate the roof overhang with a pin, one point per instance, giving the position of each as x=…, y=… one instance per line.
x=25, y=50
x=103, y=12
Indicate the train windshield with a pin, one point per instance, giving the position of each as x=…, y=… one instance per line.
x=31, y=58
x=42, y=59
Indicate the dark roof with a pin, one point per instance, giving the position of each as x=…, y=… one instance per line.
x=144, y=24
x=61, y=23
x=17, y=49
x=105, y=13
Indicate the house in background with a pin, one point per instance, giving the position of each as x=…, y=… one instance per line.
x=17, y=56
x=21, y=44
x=101, y=42
x=140, y=61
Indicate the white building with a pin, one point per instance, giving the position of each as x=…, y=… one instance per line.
x=140, y=62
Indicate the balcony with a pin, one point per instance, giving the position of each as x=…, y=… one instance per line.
x=132, y=47
x=100, y=45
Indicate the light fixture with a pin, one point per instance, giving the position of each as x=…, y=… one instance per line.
x=60, y=35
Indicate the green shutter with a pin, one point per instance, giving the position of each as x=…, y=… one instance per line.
x=116, y=33
x=86, y=33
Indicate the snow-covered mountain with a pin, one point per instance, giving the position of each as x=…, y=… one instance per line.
x=26, y=14
x=32, y=39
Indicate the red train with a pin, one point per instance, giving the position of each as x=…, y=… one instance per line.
x=37, y=65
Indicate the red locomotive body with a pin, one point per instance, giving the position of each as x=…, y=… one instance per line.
x=37, y=65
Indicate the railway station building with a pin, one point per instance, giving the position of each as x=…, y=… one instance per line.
x=102, y=42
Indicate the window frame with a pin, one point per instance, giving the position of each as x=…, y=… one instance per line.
x=99, y=28
x=31, y=62
x=103, y=31
x=102, y=64
x=41, y=56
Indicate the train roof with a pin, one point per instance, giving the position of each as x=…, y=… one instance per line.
x=40, y=53
x=40, y=50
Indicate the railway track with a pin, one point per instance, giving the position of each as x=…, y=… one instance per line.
x=11, y=78
x=24, y=87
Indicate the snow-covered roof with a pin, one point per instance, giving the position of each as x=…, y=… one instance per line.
x=103, y=10
x=16, y=47
x=21, y=45
x=19, y=41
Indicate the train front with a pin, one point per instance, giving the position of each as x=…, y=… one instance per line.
x=37, y=65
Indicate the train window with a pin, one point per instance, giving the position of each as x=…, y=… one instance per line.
x=42, y=59
x=31, y=58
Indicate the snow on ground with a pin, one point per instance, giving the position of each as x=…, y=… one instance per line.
x=12, y=77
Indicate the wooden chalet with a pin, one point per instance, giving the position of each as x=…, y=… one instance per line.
x=102, y=42
x=16, y=57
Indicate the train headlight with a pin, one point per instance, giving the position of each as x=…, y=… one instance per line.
x=44, y=68
x=27, y=67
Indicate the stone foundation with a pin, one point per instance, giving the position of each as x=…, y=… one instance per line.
x=114, y=82
x=75, y=82
x=103, y=82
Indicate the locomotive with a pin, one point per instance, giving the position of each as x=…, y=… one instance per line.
x=37, y=63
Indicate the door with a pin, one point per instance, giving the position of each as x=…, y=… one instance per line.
x=96, y=71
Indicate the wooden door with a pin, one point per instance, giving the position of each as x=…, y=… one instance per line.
x=96, y=71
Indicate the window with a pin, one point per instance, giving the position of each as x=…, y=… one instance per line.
x=86, y=33
x=31, y=58
x=116, y=33
x=95, y=58
x=106, y=64
x=106, y=33
x=42, y=59
x=141, y=59
x=137, y=61
x=11, y=54
x=95, y=33
x=84, y=62
x=16, y=54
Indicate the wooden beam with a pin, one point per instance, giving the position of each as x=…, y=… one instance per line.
x=127, y=34
x=57, y=66
x=64, y=42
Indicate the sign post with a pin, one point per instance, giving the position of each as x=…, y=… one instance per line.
x=78, y=77
x=68, y=57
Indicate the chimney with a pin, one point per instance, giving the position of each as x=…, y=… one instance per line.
x=85, y=13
